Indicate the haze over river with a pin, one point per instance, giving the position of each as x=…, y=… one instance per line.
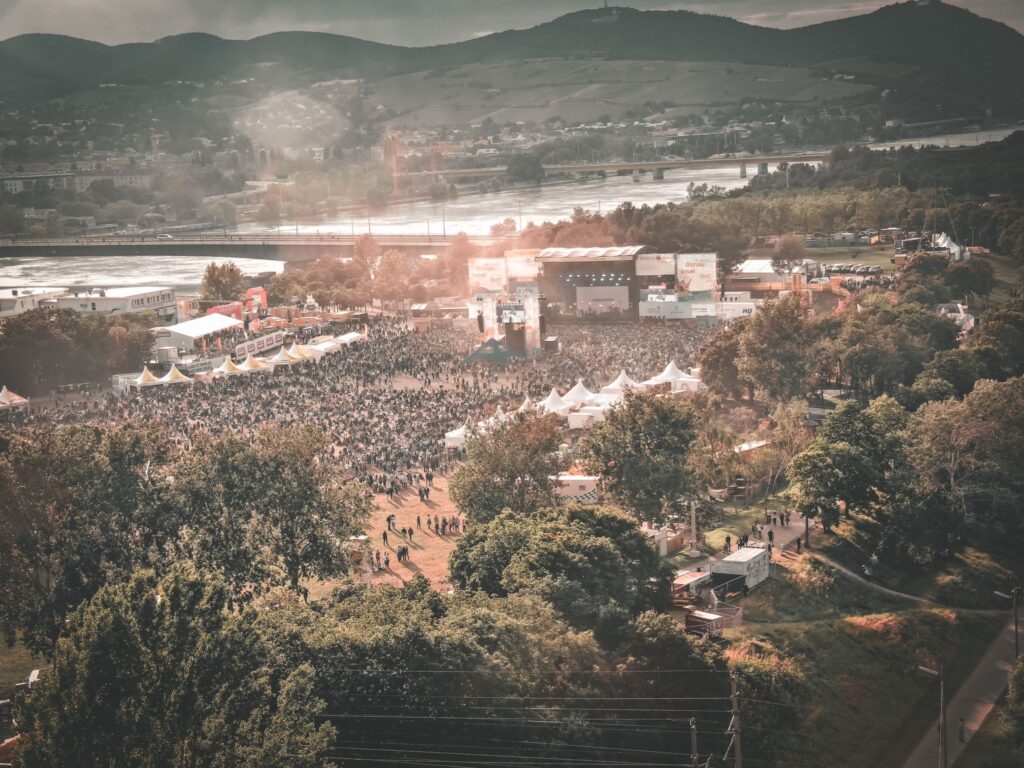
x=473, y=214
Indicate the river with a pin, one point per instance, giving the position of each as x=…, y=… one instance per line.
x=473, y=214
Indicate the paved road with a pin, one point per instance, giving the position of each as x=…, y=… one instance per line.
x=973, y=702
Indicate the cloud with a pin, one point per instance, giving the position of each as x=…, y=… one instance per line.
x=403, y=22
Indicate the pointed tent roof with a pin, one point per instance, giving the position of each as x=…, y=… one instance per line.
x=309, y=351
x=281, y=358
x=527, y=406
x=227, y=368
x=145, y=379
x=9, y=399
x=251, y=364
x=298, y=351
x=621, y=383
x=671, y=373
x=579, y=394
x=174, y=376
x=554, y=403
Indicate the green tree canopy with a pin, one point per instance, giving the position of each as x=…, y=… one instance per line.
x=594, y=565
x=510, y=467
x=640, y=453
x=158, y=673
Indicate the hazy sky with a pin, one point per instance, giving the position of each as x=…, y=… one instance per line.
x=405, y=22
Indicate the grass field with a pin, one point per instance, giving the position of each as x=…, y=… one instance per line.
x=867, y=703
x=965, y=580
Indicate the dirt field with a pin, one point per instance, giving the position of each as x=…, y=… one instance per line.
x=428, y=551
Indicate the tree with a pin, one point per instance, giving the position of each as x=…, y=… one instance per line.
x=508, y=468
x=366, y=256
x=456, y=261
x=82, y=506
x=392, y=275
x=774, y=350
x=789, y=252
x=264, y=514
x=158, y=673
x=640, y=453
x=594, y=565
x=717, y=359
x=824, y=474
x=526, y=168
x=222, y=282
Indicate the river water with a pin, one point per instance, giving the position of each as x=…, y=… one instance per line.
x=473, y=214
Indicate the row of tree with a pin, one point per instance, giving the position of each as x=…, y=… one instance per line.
x=45, y=348
x=85, y=506
x=918, y=485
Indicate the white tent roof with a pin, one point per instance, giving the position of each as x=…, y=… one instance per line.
x=527, y=406
x=251, y=364
x=174, y=376
x=202, y=326
x=299, y=351
x=554, y=403
x=145, y=379
x=621, y=383
x=281, y=358
x=456, y=438
x=350, y=338
x=227, y=368
x=579, y=394
x=10, y=400
x=671, y=373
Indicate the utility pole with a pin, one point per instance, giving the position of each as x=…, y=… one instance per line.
x=943, y=752
x=943, y=749
x=1014, y=595
x=734, y=724
x=694, y=754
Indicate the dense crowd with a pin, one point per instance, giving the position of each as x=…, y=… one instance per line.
x=386, y=403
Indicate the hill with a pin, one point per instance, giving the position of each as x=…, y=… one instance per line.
x=923, y=50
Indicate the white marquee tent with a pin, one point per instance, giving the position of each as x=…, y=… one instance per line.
x=144, y=379
x=252, y=364
x=579, y=394
x=227, y=368
x=620, y=384
x=9, y=400
x=174, y=376
x=554, y=403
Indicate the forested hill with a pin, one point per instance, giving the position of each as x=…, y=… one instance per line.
x=930, y=48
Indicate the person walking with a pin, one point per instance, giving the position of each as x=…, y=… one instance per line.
x=385, y=537
x=387, y=562
x=798, y=545
x=418, y=526
x=771, y=538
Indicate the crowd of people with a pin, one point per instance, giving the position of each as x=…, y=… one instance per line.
x=385, y=404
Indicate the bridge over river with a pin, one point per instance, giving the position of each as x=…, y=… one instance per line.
x=290, y=248
x=759, y=164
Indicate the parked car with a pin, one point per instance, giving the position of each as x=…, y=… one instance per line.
x=164, y=236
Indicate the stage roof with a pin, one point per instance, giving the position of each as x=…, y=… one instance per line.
x=575, y=255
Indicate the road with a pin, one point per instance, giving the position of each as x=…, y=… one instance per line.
x=974, y=701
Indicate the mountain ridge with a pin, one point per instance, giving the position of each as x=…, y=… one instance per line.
x=949, y=47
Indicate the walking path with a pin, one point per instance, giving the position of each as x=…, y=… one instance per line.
x=974, y=701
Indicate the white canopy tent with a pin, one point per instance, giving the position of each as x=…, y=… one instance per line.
x=252, y=364
x=281, y=358
x=350, y=338
x=144, y=379
x=579, y=394
x=9, y=400
x=528, y=406
x=227, y=368
x=174, y=376
x=184, y=335
x=670, y=374
x=554, y=403
x=456, y=438
x=620, y=384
